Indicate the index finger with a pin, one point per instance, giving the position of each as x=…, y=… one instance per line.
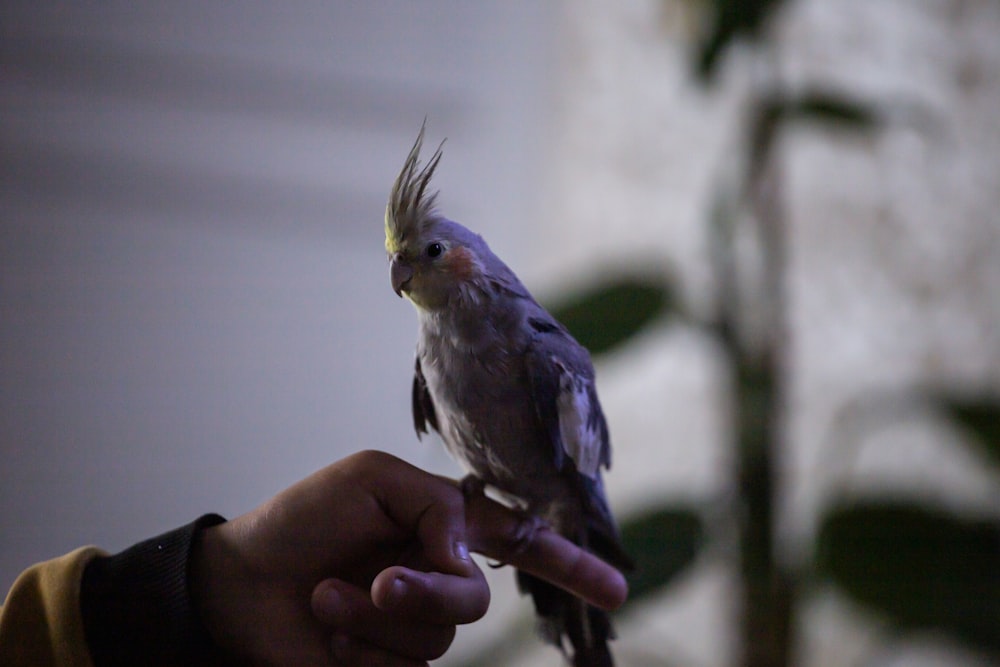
x=492, y=530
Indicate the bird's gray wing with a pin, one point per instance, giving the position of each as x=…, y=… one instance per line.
x=565, y=398
x=423, y=405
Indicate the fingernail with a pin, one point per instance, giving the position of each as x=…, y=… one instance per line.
x=461, y=550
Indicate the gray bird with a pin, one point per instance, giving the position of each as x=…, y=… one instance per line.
x=510, y=392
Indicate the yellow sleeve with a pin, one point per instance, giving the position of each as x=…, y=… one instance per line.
x=40, y=622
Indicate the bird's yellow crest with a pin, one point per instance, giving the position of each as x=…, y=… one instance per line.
x=410, y=205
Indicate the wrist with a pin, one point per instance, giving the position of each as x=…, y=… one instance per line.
x=216, y=585
x=136, y=605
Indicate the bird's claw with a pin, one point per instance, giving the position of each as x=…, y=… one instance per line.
x=472, y=487
x=523, y=536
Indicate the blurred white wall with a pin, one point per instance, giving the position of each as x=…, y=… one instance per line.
x=194, y=307
x=194, y=301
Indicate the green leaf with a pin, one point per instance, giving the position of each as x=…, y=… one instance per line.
x=729, y=19
x=775, y=109
x=834, y=108
x=607, y=316
x=979, y=416
x=920, y=566
x=663, y=541
x=825, y=106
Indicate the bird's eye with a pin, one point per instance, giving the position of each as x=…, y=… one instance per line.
x=434, y=249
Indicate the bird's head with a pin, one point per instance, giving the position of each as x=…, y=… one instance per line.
x=432, y=260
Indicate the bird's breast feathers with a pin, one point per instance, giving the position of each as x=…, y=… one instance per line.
x=516, y=393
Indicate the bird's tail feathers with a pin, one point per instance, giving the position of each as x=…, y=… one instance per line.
x=602, y=536
x=564, y=618
x=607, y=545
x=580, y=631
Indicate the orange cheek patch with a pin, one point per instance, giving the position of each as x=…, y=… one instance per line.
x=461, y=264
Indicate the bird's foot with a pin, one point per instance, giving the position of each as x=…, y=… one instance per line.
x=526, y=530
x=523, y=535
x=472, y=487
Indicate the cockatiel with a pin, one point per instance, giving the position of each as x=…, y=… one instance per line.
x=510, y=392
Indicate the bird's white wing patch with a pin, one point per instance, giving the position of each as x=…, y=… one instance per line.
x=581, y=440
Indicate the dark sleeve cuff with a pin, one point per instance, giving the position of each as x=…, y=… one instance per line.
x=136, y=606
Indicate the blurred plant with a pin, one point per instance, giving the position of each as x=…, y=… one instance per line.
x=918, y=565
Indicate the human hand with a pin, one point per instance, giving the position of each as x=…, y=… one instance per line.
x=368, y=625
x=377, y=550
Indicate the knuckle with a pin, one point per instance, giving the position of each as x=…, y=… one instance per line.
x=371, y=459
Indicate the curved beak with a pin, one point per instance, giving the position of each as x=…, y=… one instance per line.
x=400, y=273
